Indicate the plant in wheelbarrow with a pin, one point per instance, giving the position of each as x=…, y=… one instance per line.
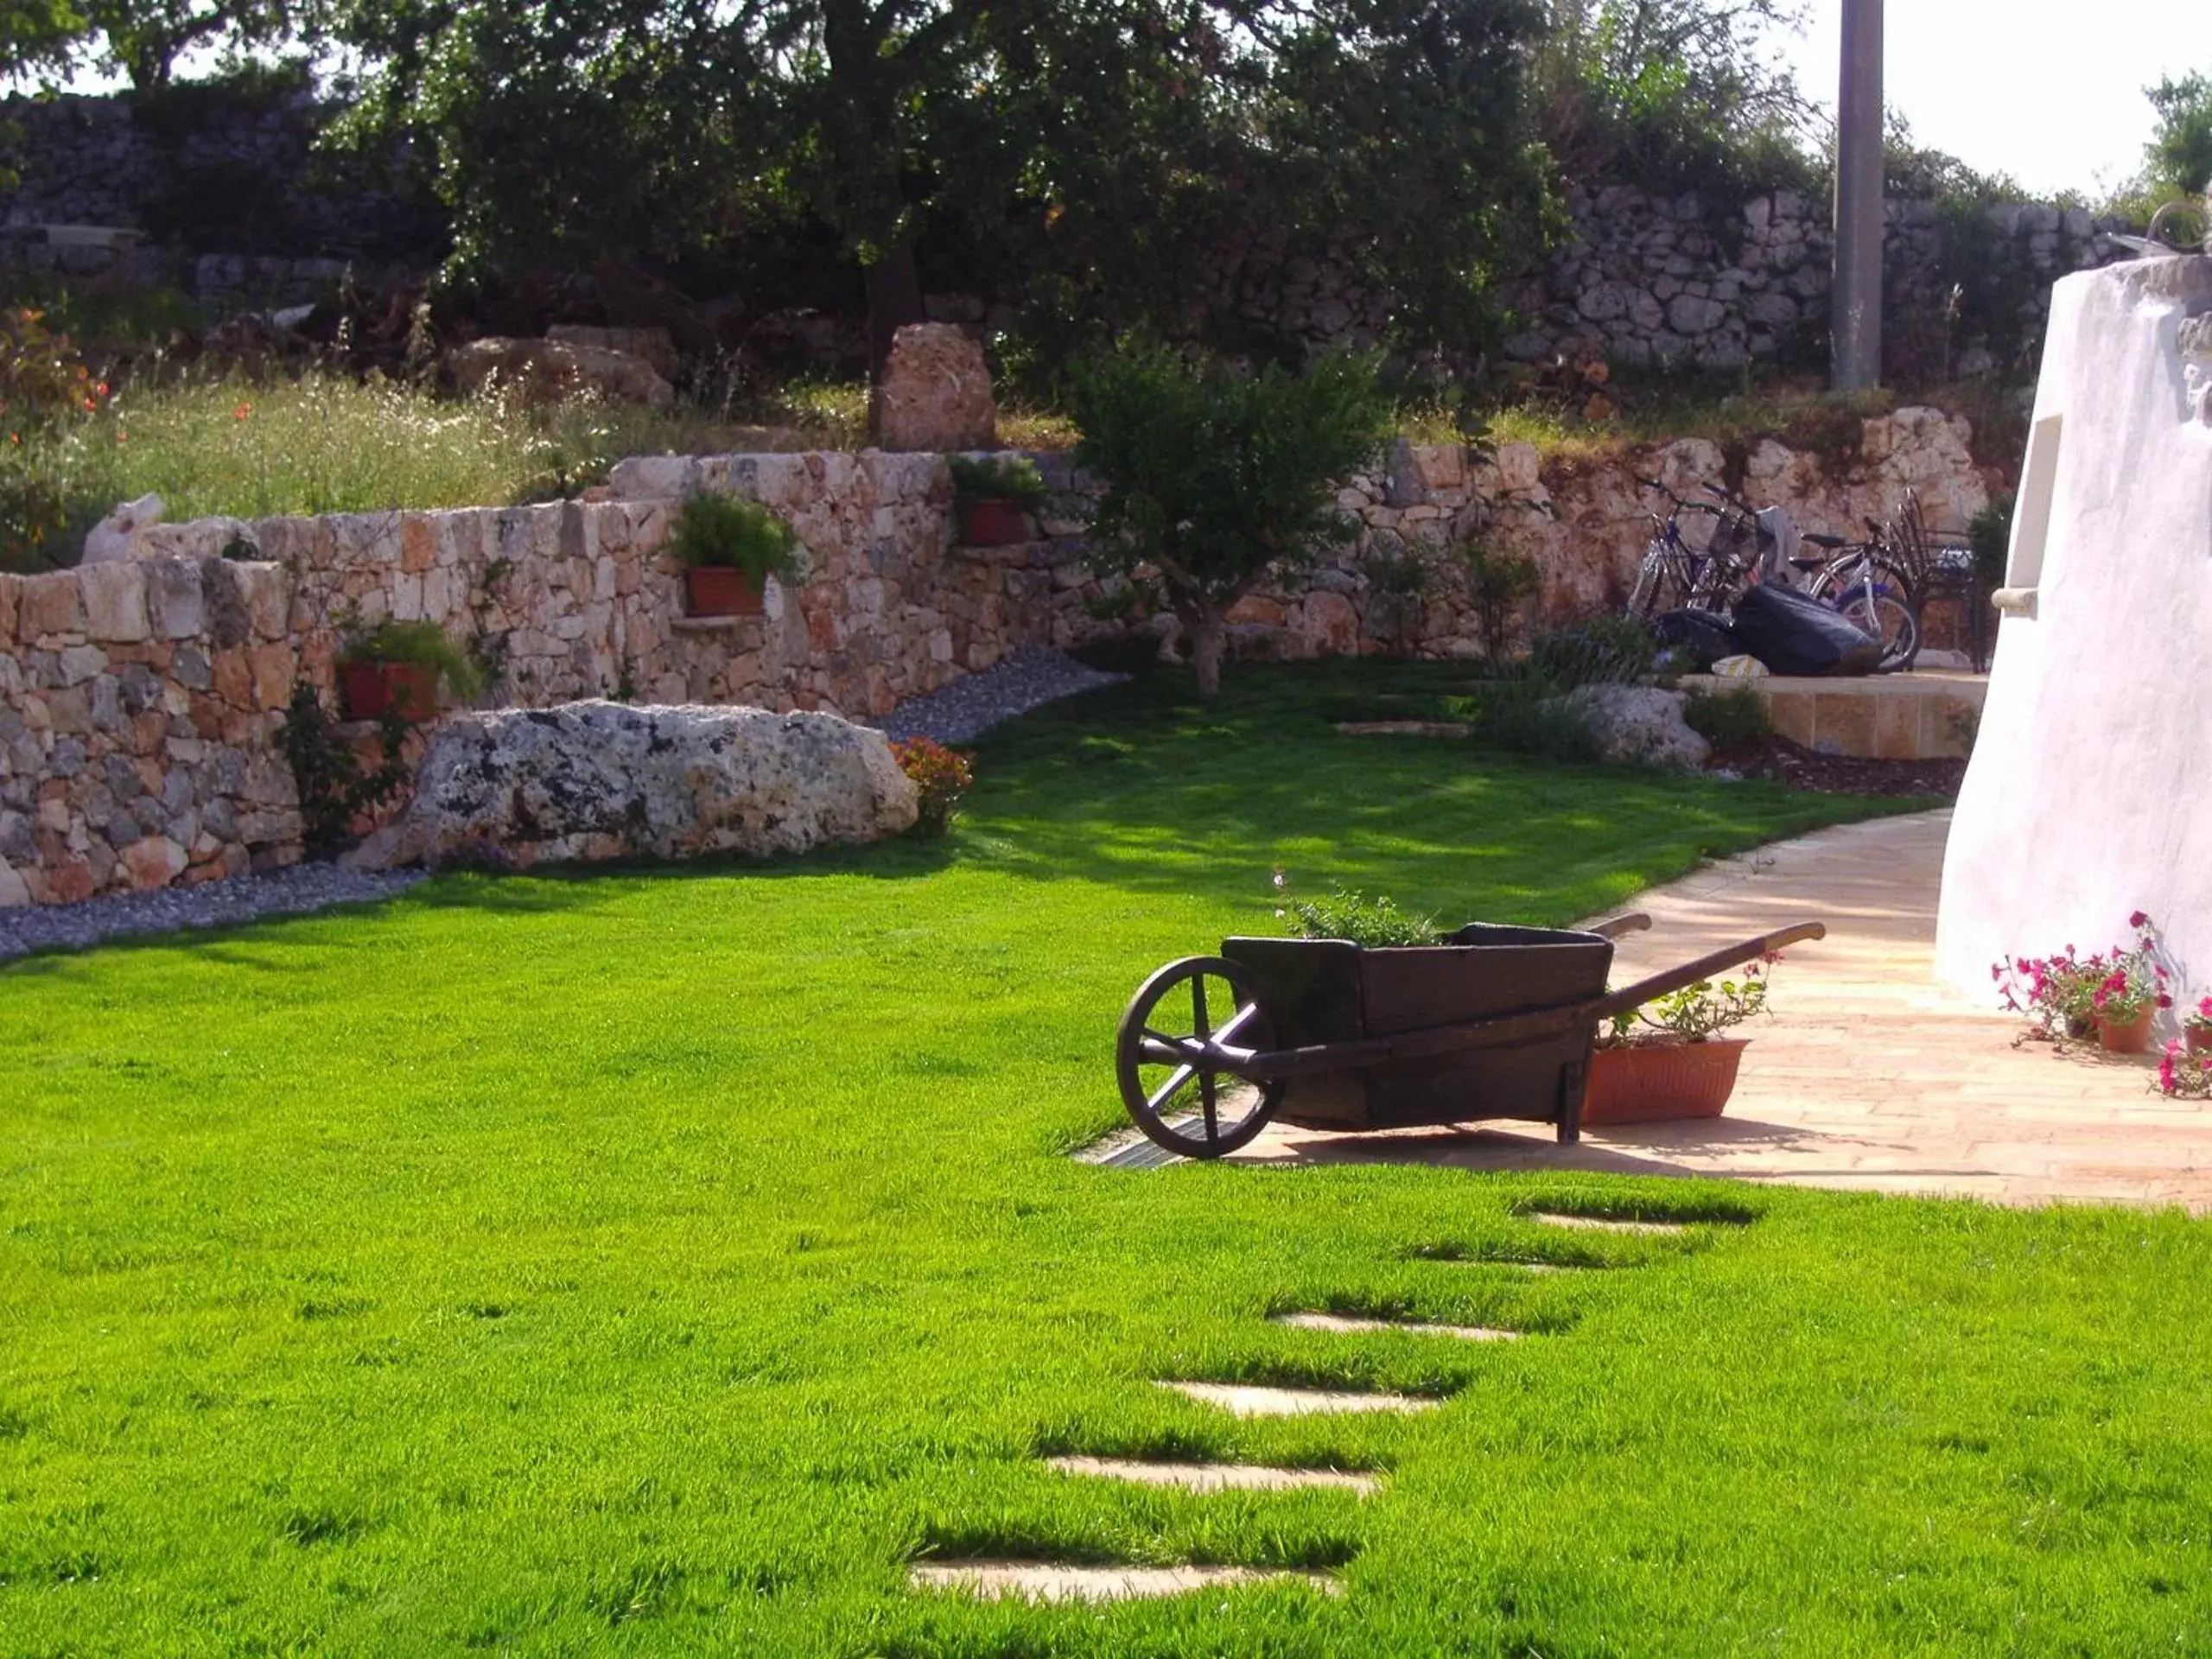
x=1667, y=1060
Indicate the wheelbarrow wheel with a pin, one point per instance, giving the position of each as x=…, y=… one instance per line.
x=1197, y=1110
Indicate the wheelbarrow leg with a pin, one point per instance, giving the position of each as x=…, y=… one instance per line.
x=1570, y=1104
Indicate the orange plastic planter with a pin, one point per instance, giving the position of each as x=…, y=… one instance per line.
x=1651, y=1083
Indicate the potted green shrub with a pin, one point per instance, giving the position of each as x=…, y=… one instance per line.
x=728, y=547
x=398, y=666
x=995, y=496
x=1666, y=1060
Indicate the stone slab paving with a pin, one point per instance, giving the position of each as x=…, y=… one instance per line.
x=1220, y=1477
x=1871, y=1076
x=1250, y=1400
x=1058, y=1581
x=1343, y=1326
x=1602, y=1223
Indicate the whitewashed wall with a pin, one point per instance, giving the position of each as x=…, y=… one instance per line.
x=2090, y=792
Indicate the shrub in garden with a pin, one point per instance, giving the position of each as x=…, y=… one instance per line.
x=1497, y=584
x=49, y=397
x=1733, y=719
x=998, y=478
x=941, y=776
x=424, y=644
x=728, y=531
x=1216, y=479
x=1375, y=923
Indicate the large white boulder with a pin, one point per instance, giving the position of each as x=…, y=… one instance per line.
x=590, y=781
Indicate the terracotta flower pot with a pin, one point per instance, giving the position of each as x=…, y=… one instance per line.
x=368, y=688
x=2131, y=1037
x=2199, y=1039
x=1652, y=1083
x=993, y=524
x=721, y=590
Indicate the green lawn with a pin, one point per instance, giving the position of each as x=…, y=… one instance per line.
x=660, y=1262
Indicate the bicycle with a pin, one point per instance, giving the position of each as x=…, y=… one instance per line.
x=1675, y=575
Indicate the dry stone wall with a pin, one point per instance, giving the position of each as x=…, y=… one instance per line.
x=140, y=700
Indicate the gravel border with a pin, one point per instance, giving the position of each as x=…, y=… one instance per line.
x=293, y=892
x=960, y=713
x=964, y=710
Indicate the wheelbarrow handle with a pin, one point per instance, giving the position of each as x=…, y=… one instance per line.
x=1615, y=927
x=1634, y=997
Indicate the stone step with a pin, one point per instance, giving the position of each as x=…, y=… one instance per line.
x=1065, y=1581
x=1219, y=1476
x=1603, y=1224
x=1252, y=1400
x=1342, y=1326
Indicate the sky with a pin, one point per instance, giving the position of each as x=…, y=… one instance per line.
x=2050, y=92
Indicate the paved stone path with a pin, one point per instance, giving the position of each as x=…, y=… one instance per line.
x=1871, y=1074
x=1057, y=1581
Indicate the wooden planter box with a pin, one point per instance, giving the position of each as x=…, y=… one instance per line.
x=1654, y=1083
x=1329, y=991
x=368, y=689
x=993, y=524
x=721, y=590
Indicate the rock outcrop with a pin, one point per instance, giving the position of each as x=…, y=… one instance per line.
x=586, y=782
x=935, y=393
x=551, y=371
x=1641, y=725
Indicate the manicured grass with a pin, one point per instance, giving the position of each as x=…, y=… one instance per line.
x=659, y=1262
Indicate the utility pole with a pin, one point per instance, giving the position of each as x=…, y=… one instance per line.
x=1855, y=298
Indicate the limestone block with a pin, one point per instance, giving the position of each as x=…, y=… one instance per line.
x=935, y=392
x=1641, y=725
x=173, y=587
x=153, y=861
x=48, y=605
x=593, y=780
x=116, y=537
x=115, y=602
x=655, y=346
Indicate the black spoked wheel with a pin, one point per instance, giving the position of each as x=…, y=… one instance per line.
x=1873, y=600
x=1180, y=1103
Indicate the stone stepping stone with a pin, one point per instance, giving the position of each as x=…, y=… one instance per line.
x=1602, y=1223
x=1061, y=1581
x=1219, y=1476
x=1351, y=1327
x=1250, y=1400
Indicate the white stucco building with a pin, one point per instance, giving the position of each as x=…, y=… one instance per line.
x=2089, y=795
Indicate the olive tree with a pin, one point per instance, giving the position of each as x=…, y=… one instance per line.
x=1216, y=479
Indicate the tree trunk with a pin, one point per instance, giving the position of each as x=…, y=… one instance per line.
x=894, y=299
x=1206, y=643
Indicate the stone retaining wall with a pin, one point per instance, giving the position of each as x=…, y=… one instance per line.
x=140, y=701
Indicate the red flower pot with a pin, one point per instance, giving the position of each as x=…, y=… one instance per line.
x=2131, y=1037
x=368, y=688
x=1656, y=1083
x=993, y=524
x=721, y=590
x=2199, y=1039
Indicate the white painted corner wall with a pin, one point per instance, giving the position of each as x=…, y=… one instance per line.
x=2089, y=795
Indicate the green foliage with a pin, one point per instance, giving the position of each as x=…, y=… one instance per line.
x=998, y=478
x=1103, y=155
x=1732, y=719
x=1698, y=1012
x=941, y=776
x=1498, y=581
x=1603, y=651
x=422, y=644
x=2179, y=155
x=1214, y=478
x=1990, y=536
x=729, y=532
x=1672, y=95
x=1346, y=913
x=1521, y=713
x=333, y=787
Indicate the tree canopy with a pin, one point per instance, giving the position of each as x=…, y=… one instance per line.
x=2179, y=154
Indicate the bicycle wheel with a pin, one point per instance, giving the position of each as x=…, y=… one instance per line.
x=1872, y=598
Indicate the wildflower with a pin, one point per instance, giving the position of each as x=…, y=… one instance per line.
x=2139, y=919
x=243, y=411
